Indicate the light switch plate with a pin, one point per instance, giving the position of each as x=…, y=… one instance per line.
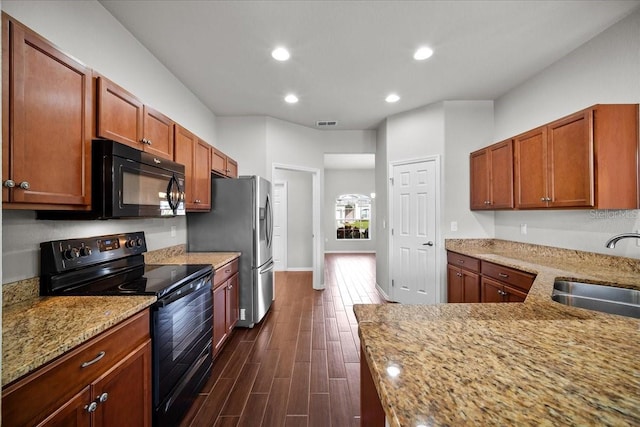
x=454, y=225
x=523, y=228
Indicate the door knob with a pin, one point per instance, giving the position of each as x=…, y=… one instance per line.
x=429, y=243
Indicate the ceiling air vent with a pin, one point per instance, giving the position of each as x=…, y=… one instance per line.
x=326, y=123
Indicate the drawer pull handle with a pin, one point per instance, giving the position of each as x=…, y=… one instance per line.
x=460, y=261
x=228, y=271
x=503, y=275
x=96, y=359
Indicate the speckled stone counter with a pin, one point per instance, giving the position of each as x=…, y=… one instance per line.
x=36, y=330
x=532, y=363
x=217, y=259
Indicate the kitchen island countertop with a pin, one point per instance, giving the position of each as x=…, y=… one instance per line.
x=532, y=363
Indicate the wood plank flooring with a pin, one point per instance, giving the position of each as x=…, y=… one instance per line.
x=300, y=365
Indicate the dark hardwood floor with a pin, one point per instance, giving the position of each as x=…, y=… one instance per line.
x=300, y=365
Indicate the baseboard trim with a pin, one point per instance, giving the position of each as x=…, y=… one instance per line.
x=299, y=269
x=382, y=293
x=349, y=252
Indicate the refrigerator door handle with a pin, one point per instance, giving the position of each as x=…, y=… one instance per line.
x=267, y=267
x=269, y=222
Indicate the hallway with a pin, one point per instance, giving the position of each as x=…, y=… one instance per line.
x=300, y=366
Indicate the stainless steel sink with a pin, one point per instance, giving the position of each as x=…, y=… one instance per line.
x=607, y=299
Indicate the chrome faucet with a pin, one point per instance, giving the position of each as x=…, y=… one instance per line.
x=611, y=243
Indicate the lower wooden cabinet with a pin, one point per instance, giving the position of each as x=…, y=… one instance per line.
x=463, y=278
x=472, y=280
x=225, y=303
x=494, y=291
x=104, y=382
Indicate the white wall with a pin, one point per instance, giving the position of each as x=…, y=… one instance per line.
x=336, y=183
x=85, y=30
x=244, y=139
x=382, y=210
x=299, y=219
x=604, y=70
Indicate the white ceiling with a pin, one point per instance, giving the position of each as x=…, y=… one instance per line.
x=348, y=55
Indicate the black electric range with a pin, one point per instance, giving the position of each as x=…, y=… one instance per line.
x=181, y=319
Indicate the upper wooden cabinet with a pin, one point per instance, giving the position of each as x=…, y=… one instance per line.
x=195, y=155
x=492, y=177
x=587, y=159
x=124, y=118
x=46, y=121
x=223, y=165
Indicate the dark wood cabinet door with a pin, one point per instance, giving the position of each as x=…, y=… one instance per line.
x=127, y=391
x=479, y=173
x=73, y=413
x=513, y=295
x=218, y=162
x=232, y=168
x=232, y=303
x=49, y=124
x=501, y=175
x=185, y=143
x=531, y=169
x=219, y=317
x=158, y=133
x=201, y=174
x=491, y=290
x=455, y=288
x=570, y=161
x=471, y=286
x=120, y=114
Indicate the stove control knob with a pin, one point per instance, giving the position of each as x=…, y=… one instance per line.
x=85, y=251
x=139, y=241
x=71, y=253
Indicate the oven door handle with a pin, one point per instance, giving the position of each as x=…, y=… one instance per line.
x=184, y=291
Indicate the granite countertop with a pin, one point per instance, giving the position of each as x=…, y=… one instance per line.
x=36, y=330
x=217, y=259
x=531, y=363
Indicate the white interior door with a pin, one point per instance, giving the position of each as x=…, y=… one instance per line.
x=280, y=225
x=414, y=275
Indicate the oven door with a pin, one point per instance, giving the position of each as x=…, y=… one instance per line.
x=182, y=334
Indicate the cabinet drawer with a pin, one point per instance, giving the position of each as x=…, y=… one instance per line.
x=508, y=275
x=463, y=261
x=30, y=399
x=223, y=273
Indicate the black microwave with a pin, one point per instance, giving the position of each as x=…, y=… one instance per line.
x=129, y=183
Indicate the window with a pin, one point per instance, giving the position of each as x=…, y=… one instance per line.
x=353, y=214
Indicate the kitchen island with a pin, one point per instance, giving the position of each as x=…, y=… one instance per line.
x=532, y=363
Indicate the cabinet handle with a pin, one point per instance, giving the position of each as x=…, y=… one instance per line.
x=228, y=271
x=460, y=261
x=230, y=287
x=487, y=202
x=91, y=407
x=548, y=199
x=459, y=274
x=144, y=141
x=25, y=185
x=196, y=201
x=503, y=275
x=91, y=362
x=543, y=199
x=156, y=161
x=9, y=183
x=103, y=397
x=149, y=142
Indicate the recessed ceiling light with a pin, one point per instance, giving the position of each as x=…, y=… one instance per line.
x=291, y=98
x=280, y=54
x=392, y=98
x=423, y=53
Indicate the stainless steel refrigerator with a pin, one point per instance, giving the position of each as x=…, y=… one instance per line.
x=241, y=219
